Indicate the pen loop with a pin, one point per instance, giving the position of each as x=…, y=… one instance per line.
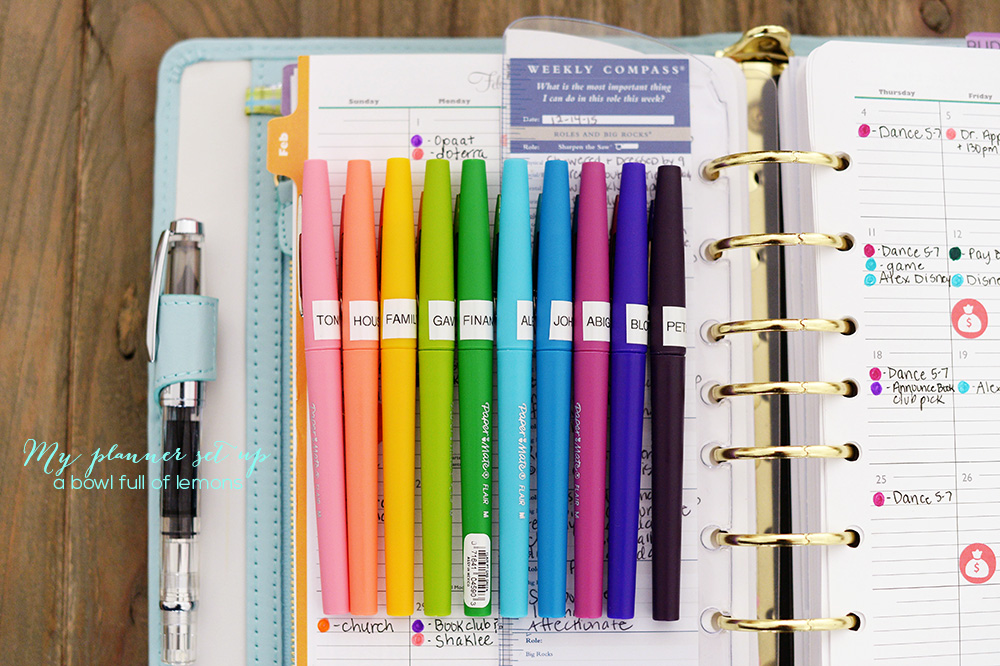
x=847, y=538
x=845, y=451
x=714, y=250
x=850, y=621
x=155, y=289
x=843, y=326
x=719, y=392
x=836, y=161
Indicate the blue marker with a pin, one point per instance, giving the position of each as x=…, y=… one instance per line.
x=515, y=326
x=553, y=365
x=629, y=326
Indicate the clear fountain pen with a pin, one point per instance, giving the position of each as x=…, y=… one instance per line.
x=181, y=403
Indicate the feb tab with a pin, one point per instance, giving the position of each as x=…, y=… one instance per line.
x=288, y=136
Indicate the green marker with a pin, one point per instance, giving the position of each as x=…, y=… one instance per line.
x=436, y=359
x=475, y=386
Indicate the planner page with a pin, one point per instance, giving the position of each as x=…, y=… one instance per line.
x=576, y=98
x=449, y=106
x=921, y=199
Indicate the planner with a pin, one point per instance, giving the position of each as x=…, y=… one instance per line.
x=838, y=478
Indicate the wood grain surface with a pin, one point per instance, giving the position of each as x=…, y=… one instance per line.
x=78, y=84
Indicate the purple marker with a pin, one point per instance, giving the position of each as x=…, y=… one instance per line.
x=667, y=345
x=629, y=329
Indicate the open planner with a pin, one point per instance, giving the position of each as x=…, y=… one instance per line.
x=839, y=473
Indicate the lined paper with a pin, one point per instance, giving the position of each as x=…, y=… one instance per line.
x=922, y=200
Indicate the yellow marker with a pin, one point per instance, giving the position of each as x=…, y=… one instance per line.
x=399, y=378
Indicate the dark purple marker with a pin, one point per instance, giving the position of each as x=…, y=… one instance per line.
x=667, y=345
x=629, y=333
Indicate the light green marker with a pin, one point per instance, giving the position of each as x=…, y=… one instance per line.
x=436, y=359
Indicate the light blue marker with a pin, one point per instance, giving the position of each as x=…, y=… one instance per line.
x=870, y=280
x=515, y=326
x=957, y=280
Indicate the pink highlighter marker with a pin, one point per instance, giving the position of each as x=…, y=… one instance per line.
x=591, y=349
x=321, y=306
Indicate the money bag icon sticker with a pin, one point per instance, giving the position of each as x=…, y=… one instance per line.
x=969, y=318
x=977, y=563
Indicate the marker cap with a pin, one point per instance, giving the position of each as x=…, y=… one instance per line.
x=591, y=330
x=631, y=247
x=555, y=260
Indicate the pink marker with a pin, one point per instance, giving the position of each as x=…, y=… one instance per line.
x=321, y=306
x=591, y=349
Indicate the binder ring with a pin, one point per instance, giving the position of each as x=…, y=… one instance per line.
x=846, y=451
x=843, y=326
x=714, y=250
x=850, y=621
x=837, y=162
x=719, y=392
x=847, y=538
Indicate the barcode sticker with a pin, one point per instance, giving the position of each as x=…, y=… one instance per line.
x=476, y=570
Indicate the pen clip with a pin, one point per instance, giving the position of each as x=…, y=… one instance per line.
x=181, y=229
x=155, y=289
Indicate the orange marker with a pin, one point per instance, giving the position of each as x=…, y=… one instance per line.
x=361, y=356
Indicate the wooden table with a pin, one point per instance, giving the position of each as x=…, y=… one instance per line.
x=78, y=83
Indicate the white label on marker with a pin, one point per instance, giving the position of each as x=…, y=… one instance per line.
x=326, y=320
x=362, y=323
x=636, y=323
x=561, y=321
x=476, y=570
x=476, y=320
x=674, y=326
x=596, y=321
x=440, y=320
x=525, y=320
x=399, y=318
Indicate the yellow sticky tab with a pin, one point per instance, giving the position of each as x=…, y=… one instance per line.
x=288, y=136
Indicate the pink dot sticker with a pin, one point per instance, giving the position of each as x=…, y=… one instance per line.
x=869, y=250
x=418, y=153
x=418, y=639
x=864, y=131
x=878, y=499
x=875, y=374
x=950, y=133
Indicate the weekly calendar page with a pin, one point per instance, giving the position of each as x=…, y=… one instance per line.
x=354, y=112
x=922, y=200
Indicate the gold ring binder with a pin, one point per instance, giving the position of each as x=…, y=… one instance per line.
x=838, y=242
x=848, y=538
x=846, y=451
x=838, y=162
x=843, y=326
x=719, y=392
x=850, y=621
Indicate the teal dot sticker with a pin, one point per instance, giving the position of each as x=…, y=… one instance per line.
x=963, y=387
x=870, y=264
x=870, y=280
x=957, y=280
x=955, y=253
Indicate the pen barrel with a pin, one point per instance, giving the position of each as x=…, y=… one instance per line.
x=361, y=458
x=437, y=390
x=398, y=478
x=326, y=429
x=181, y=405
x=513, y=464
x=590, y=422
x=667, y=394
x=475, y=420
x=552, y=438
x=628, y=383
